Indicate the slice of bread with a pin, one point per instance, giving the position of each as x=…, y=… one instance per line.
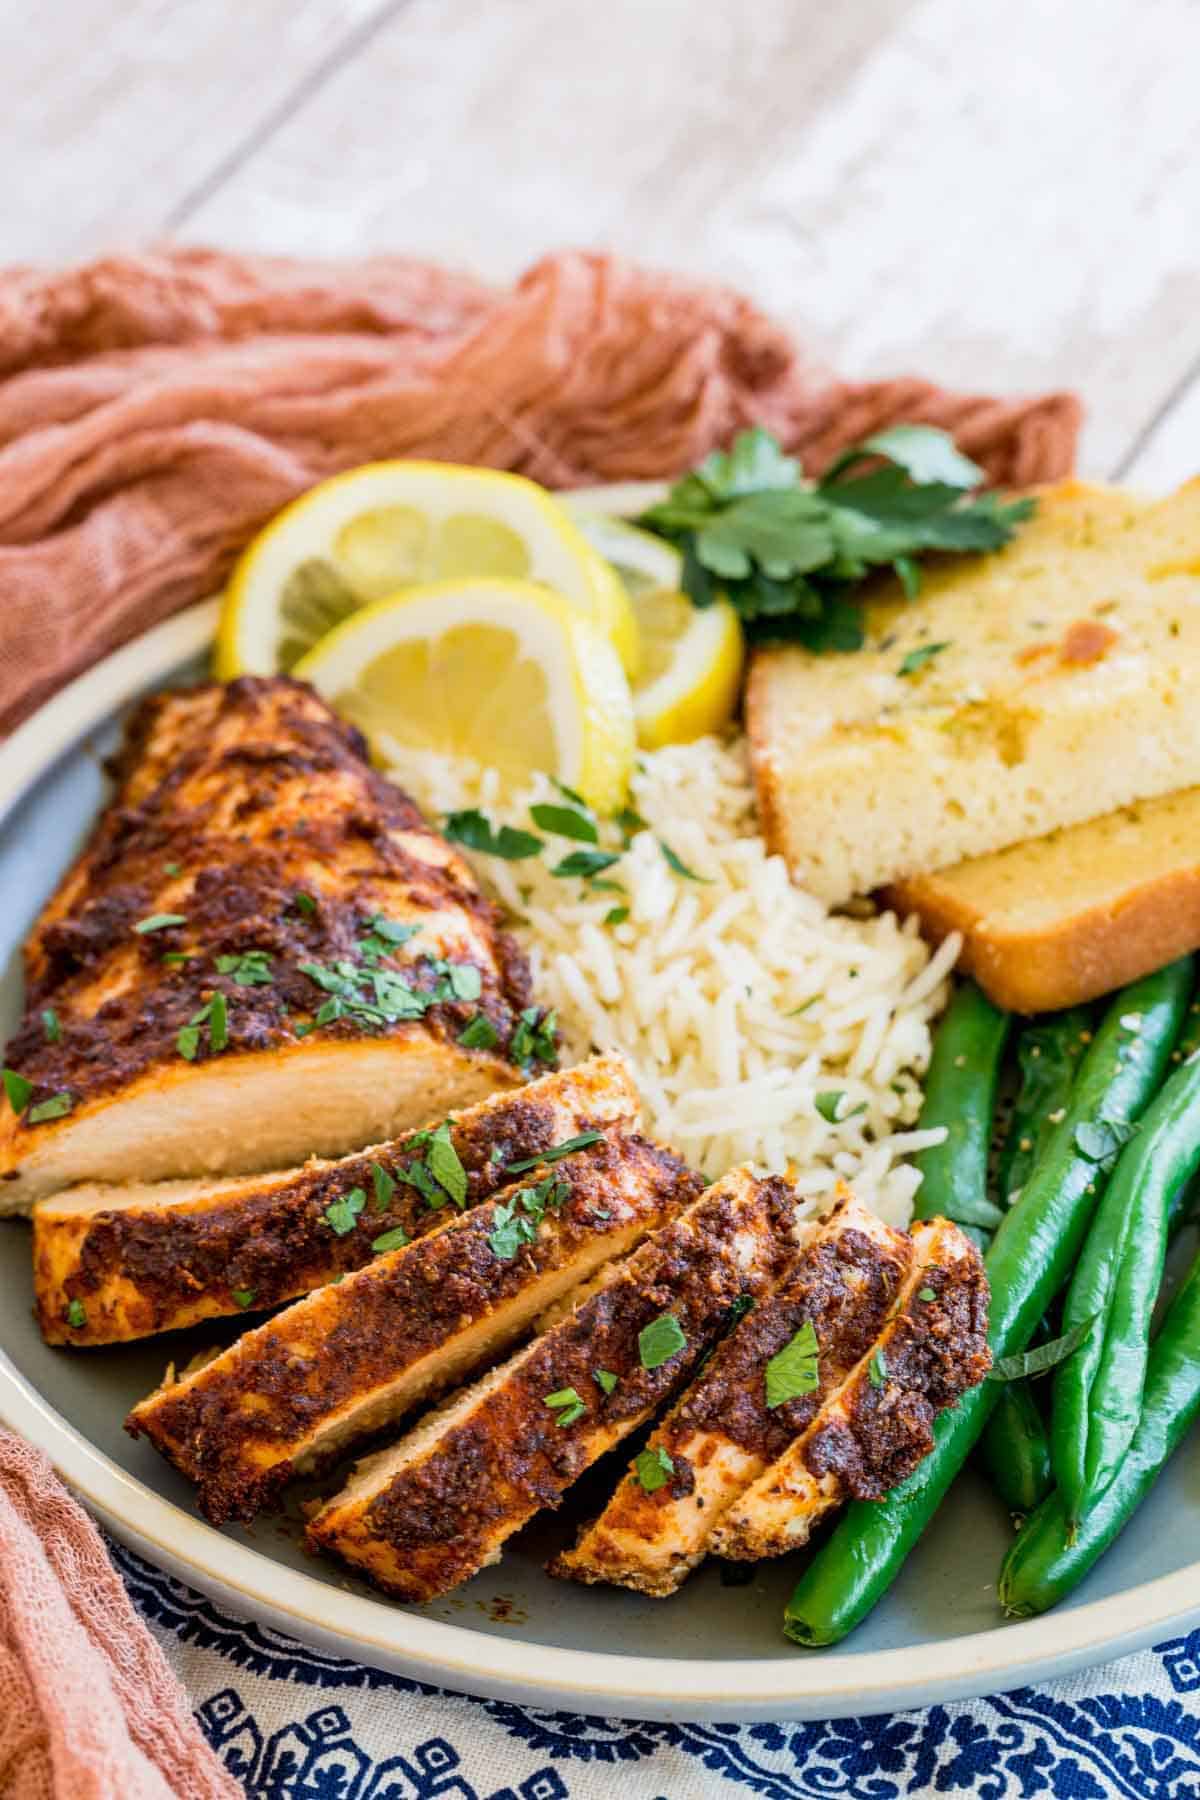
x=1020, y=692
x=1063, y=918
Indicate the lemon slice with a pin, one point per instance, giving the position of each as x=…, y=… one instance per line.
x=361, y=536
x=692, y=657
x=504, y=672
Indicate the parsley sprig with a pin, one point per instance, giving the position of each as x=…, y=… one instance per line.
x=790, y=553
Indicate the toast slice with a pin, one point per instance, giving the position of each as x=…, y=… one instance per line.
x=263, y=953
x=1020, y=692
x=872, y=1431
x=440, y=1505
x=114, y=1263
x=342, y=1363
x=1061, y=919
x=728, y=1428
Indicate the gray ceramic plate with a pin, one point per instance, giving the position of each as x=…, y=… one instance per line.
x=713, y=1651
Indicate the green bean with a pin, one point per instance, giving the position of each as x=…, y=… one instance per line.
x=1049, y=1052
x=1098, y=1389
x=1014, y=1449
x=1046, y=1560
x=960, y=1095
x=1029, y=1261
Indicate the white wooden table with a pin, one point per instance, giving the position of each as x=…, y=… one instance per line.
x=1002, y=193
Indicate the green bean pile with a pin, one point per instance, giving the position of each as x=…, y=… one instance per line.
x=1093, y=1177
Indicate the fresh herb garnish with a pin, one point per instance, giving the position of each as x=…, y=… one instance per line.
x=76, y=1314
x=1042, y=1357
x=383, y=937
x=159, y=922
x=243, y=1297
x=877, y=1369
x=567, y=1404
x=172, y=869
x=444, y=1164
x=629, y=822
x=479, y=1033
x=534, y=1037
x=680, y=867
x=737, y=1312
x=566, y=821
x=586, y=863
x=305, y=904
x=567, y=1148
x=927, y=1294
x=794, y=1370
x=249, y=968
x=51, y=1026
x=605, y=1380
x=384, y=1187
x=515, y=1222
x=917, y=659
x=829, y=1105
x=215, y=1014
x=395, y=1239
x=660, y=1340
x=56, y=1107
x=17, y=1089
x=653, y=1468
x=789, y=553
x=616, y=915
x=341, y=1214
x=473, y=830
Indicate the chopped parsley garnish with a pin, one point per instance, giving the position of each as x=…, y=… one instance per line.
x=383, y=936
x=479, y=1033
x=788, y=552
x=304, y=903
x=51, y=1026
x=172, y=869
x=179, y=956
x=76, y=1314
x=616, y=915
x=1042, y=1357
x=17, y=1089
x=829, y=1105
x=566, y=821
x=794, y=1370
x=56, y=1107
x=567, y=1148
x=534, y=1037
x=243, y=1297
x=737, y=1312
x=215, y=1014
x=917, y=659
x=629, y=822
x=248, y=968
x=395, y=1239
x=515, y=1221
x=444, y=1164
x=586, y=863
x=680, y=867
x=605, y=1380
x=341, y=1214
x=473, y=830
x=466, y=983
x=653, y=1468
x=927, y=1294
x=877, y=1369
x=384, y=1187
x=567, y=1404
x=159, y=922
x=660, y=1340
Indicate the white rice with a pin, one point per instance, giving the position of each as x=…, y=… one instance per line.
x=737, y=999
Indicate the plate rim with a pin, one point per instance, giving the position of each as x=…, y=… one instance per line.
x=338, y=1621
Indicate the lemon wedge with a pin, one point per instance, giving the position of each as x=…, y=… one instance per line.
x=359, y=537
x=692, y=656
x=504, y=672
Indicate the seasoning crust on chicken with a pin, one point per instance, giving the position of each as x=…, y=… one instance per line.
x=263, y=953
x=114, y=1263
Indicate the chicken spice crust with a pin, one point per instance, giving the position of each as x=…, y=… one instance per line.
x=277, y=1243
x=260, y=766
x=275, y=1383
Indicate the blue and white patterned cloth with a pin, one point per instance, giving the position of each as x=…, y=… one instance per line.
x=293, y=1724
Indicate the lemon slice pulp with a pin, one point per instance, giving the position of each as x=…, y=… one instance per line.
x=692, y=657
x=503, y=672
x=359, y=537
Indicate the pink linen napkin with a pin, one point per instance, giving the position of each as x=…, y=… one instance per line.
x=88, y=1707
x=156, y=409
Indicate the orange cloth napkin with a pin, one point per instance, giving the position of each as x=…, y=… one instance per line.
x=155, y=409
x=89, y=1709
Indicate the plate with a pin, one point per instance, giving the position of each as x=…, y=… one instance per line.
x=712, y=1652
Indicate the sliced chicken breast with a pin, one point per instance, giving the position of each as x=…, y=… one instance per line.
x=263, y=953
x=873, y=1430
x=731, y=1424
x=356, y=1355
x=437, y=1507
x=113, y=1263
